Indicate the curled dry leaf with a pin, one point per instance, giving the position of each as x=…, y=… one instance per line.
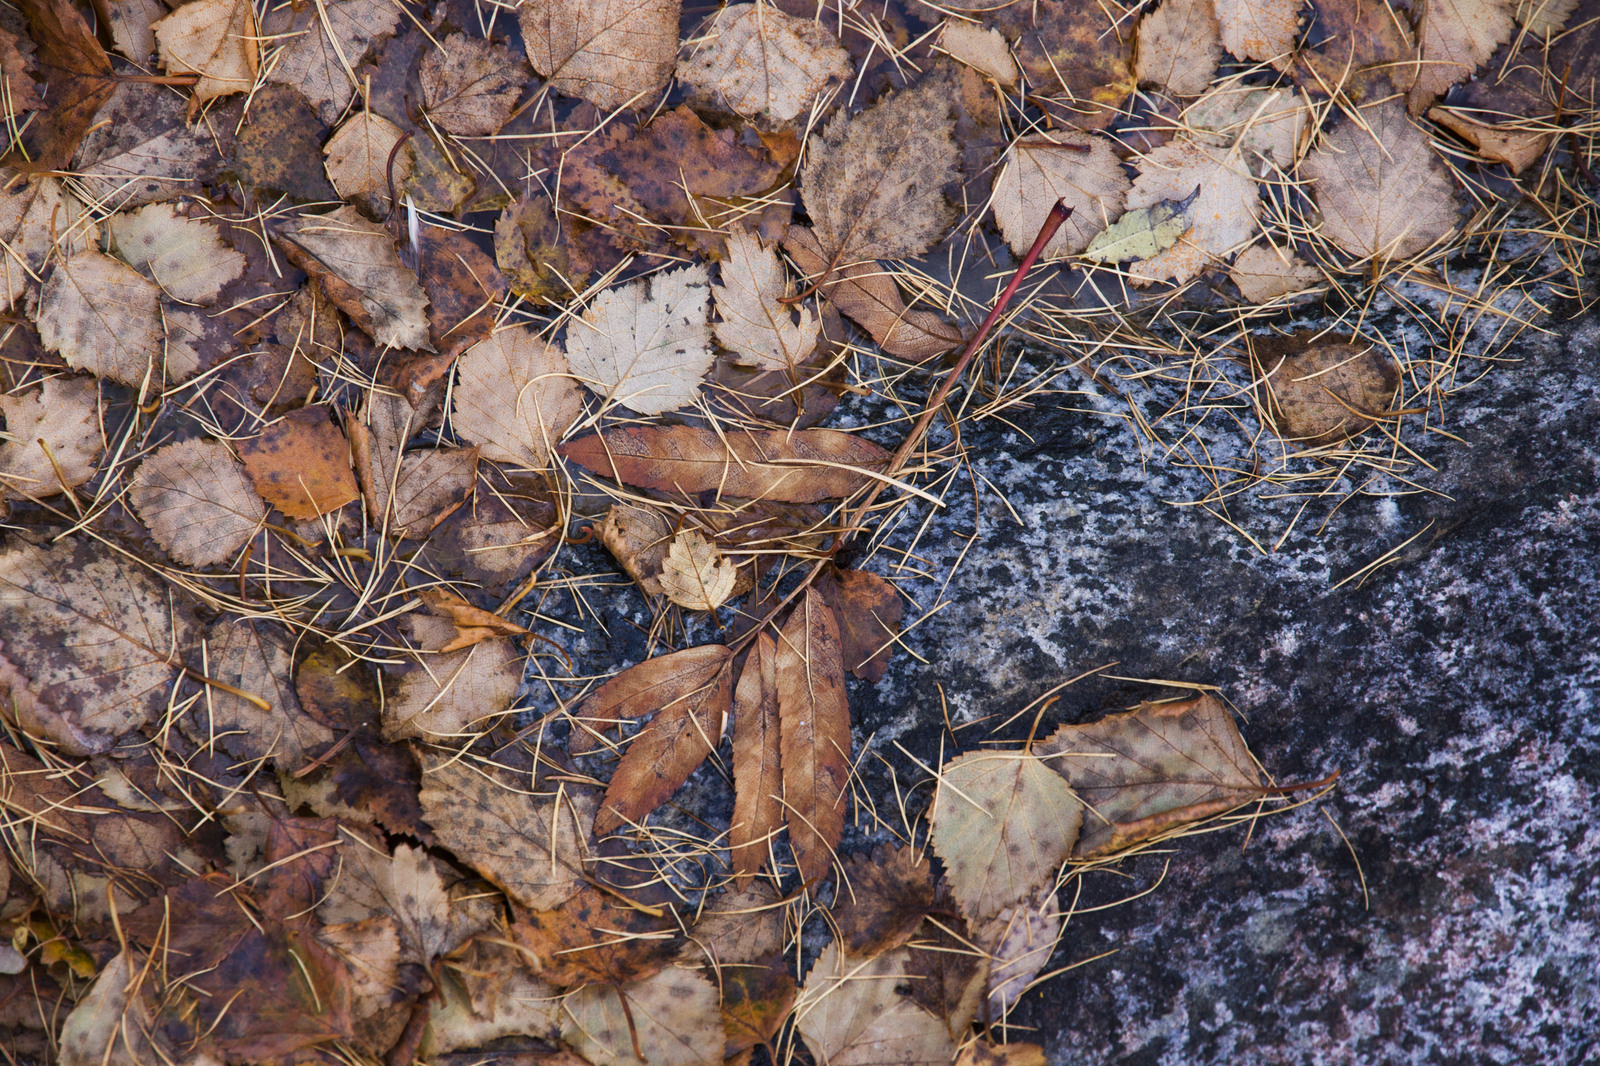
x=762, y=64
x=673, y=1016
x=801, y=467
x=666, y=752
x=592, y=937
x=1077, y=168
x=465, y=625
x=64, y=414
x=851, y=1013
x=185, y=256
x=470, y=86
x=318, y=64
x=753, y=321
x=1003, y=822
x=215, y=39
x=984, y=50
x=360, y=270
x=757, y=784
x=1321, y=390
x=357, y=159
x=1221, y=219
x=196, y=501
x=1382, y=190
x=254, y=658
x=1260, y=29
x=613, y=53
x=1179, y=46
x=1019, y=941
x=450, y=694
x=1454, y=38
x=646, y=688
x=89, y=644
x=645, y=345
x=516, y=397
x=1265, y=272
x=528, y=843
x=814, y=725
x=1151, y=769
x=637, y=537
x=695, y=575
x=103, y=317
x=882, y=899
x=301, y=464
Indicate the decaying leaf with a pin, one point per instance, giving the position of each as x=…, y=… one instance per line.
x=197, y=502
x=1142, y=233
x=185, y=256
x=253, y=658
x=1179, y=46
x=980, y=1053
x=64, y=414
x=1265, y=272
x=361, y=272
x=111, y=1024
x=1383, y=192
x=753, y=323
x=647, y=344
x=140, y=149
x=89, y=644
x=78, y=77
x=405, y=886
x=757, y=781
x=1454, y=38
x=1269, y=122
x=531, y=250
x=672, y=1017
x=430, y=487
x=984, y=50
x=756, y=1001
x=801, y=467
x=1222, y=218
x=103, y=317
x=592, y=937
x=953, y=973
x=215, y=39
x=1320, y=390
x=1003, y=822
x=461, y=625
x=761, y=64
x=851, y=1013
x=490, y=992
x=647, y=688
x=1079, y=169
x=1148, y=770
x=301, y=464
x=449, y=695
x=33, y=214
x=882, y=899
x=470, y=86
x=1260, y=29
x=1075, y=57
x=322, y=66
x=740, y=927
x=1367, y=50
x=637, y=537
x=814, y=724
x=529, y=843
x=358, y=160
x=614, y=53
x=16, y=77
x=1019, y=941
x=695, y=575
x=516, y=397
x=869, y=610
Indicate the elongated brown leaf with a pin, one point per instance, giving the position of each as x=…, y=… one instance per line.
x=757, y=784
x=869, y=610
x=814, y=723
x=360, y=268
x=653, y=685
x=800, y=467
x=1145, y=771
x=78, y=75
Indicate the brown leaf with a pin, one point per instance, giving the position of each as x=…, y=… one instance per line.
x=1322, y=389
x=130, y=27
x=1078, y=168
x=528, y=843
x=1454, y=38
x=1265, y=272
x=361, y=271
x=464, y=290
x=615, y=53
x=1221, y=219
x=16, y=72
x=535, y=253
x=594, y=937
x=1268, y=122
x=1510, y=143
x=739, y=927
x=405, y=886
x=868, y=609
x=1143, y=772
x=984, y=50
x=756, y=1001
x=516, y=397
x=647, y=344
x=851, y=1013
x=647, y=688
x=758, y=786
x=1179, y=46
x=753, y=321
x=451, y=693
x=762, y=64
x=663, y=755
x=33, y=216
x=509, y=527
x=315, y=63
x=301, y=464
x=77, y=75
x=673, y=1016
x=215, y=39
x=637, y=537
x=1368, y=51
x=140, y=150
x=432, y=485
x=1383, y=192
x=197, y=502
x=489, y=991
x=468, y=624
x=980, y=1053
x=358, y=160
x=954, y=974
x=64, y=414
x=801, y=467
x=1260, y=29
x=102, y=316
x=882, y=899
x=694, y=574
x=1076, y=60
x=470, y=86
x=1019, y=941
x=814, y=722
x=185, y=256
x=254, y=658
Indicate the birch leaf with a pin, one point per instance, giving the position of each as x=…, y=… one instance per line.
x=1078, y=168
x=185, y=256
x=33, y=214
x=450, y=695
x=1019, y=942
x=516, y=397
x=301, y=464
x=64, y=412
x=646, y=345
x=637, y=537
x=1260, y=29
x=1455, y=38
x=360, y=269
x=695, y=575
x=984, y=50
x=1179, y=46
x=851, y=1013
x=197, y=502
x=814, y=724
x=613, y=53
x=103, y=317
x=252, y=657
x=358, y=160
x=762, y=64
x=319, y=65
x=470, y=86
x=1222, y=218
x=674, y=1016
x=215, y=39
x=1323, y=389
x=754, y=323
x=1265, y=272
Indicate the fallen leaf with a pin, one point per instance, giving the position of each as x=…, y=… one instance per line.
x=1019, y=941
x=1510, y=143
x=358, y=160
x=814, y=724
x=16, y=76
x=1178, y=47
x=464, y=624
x=531, y=249
x=756, y=1001
x=1142, y=233
x=515, y=397
x=530, y=844
x=185, y=256
x=1368, y=51
x=1269, y=122
x=1221, y=219
x=1542, y=18
x=508, y=527
x=1079, y=169
x=953, y=974
x=279, y=151
x=1383, y=192
x=882, y=899
x=663, y=755
x=322, y=66
x=378, y=437
x=637, y=537
x=740, y=927
x=1322, y=389
x=801, y=467
x=979, y=1053
x=1151, y=769
x=984, y=50
x=1076, y=59
x=694, y=574
x=594, y=938
x=673, y=1017
x=649, y=687
x=1265, y=272
x=757, y=781
x=103, y=317
x=89, y=644
x=140, y=150
x=851, y=1013
x=1455, y=38
x=254, y=658
x=490, y=992
x=361, y=271
x=762, y=64
x=613, y=53
x=645, y=345
x=431, y=486
x=301, y=464
x=130, y=24
x=753, y=321
x=64, y=414
x=449, y=695
x=1260, y=29
x=470, y=86
x=111, y=1025
x=78, y=80
x=215, y=39
x=32, y=215
x=1003, y=823
x=869, y=610
x=381, y=989
x=465, y=291
x=196, y=501
x=405, y=886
